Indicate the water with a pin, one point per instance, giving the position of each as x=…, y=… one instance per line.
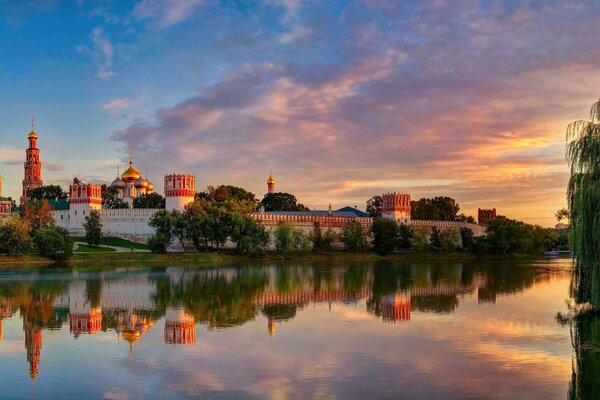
x=415, y=330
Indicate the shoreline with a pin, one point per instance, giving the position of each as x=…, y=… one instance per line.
x=227, y=257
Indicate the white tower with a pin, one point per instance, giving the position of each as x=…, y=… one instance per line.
x=83, y=198
x=180, y=190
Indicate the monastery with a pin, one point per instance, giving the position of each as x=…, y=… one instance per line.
x=179, y=190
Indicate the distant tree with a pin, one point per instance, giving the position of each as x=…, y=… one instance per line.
x=509, y=236
x=301, y=241
x=93, y=228
x=200, y=226
x=449, y=239
x=375, y=206
x=162, y=223
x=250, y=236
x=39, y=214
x=111, y=198
x=435, y=239
x=150, y=200
x=49, y=192
x=323, y=239
x=405, y=236
x=441, y=208
x=466, y=238
x=15, y=235
x=353, y=235
x=385, y=235
x=562, y=214
x=76, y=180
x=421, y=239
x=54, y=242
x=179, y=227
x=282, y=237
x=227, y=192
x=281, y=202
x=464, y=218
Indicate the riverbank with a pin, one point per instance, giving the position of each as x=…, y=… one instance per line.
x=228, y=257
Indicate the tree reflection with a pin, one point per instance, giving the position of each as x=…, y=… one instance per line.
x=585, y=334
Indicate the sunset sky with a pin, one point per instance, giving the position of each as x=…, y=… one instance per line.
x=340, y=99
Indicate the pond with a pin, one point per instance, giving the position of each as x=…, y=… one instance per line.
x=444, y=329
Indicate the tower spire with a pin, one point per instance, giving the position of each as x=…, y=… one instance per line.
x=32, y=123
x=130, y=154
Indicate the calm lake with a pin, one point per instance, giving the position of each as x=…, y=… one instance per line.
x=405, y=329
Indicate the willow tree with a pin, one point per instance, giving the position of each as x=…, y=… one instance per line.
x=583, y=156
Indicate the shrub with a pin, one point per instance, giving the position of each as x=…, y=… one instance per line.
x=385, y=235
x=282, y=237
x=158, y=242
x=466, y=238
x=54, y=242
x=353, y=235
x=300, y=240
x=449, y=239
x=421, y=239
x=406, y=236
x=93, y=229
x=324, y=240
x=15, y=236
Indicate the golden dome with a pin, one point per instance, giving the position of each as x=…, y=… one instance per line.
x=141, y=183
x=271, y=181
x=131, y=335
x=32, y=135
x=150, y=187
x=131, y=175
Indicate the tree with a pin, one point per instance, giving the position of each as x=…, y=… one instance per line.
x=200, y=228
x=323, y=240
x=162, y=222
x=353, y=235
x=54, y=242
x=441, y=208
x=435, y=240
x=562, y=214
x=300, y=240
x=464, y=218
x=375, y=206
x=15, y=235
x=385, y=235
x=449, y=239
x=226, y=192
x=93, y=228
x=39, y=214
x=421, y=239
x=281, y=202
x=111, y=198
x=179, y=227
x=251, y=237
x=49, y=192
x=466, y=238
x=406, y=235
x=150, y=200
x=282, y=237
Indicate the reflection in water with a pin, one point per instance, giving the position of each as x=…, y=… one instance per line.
x=132, y=302
x=585, y=332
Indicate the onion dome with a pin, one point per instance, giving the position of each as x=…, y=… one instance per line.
x=270, y=181
x=141, y=183
x=131, y=335
x=131, y=175
x=118, y=183
x=32, y=135
x=150, y=187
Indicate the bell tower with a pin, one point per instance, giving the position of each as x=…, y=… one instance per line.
x=33, y=166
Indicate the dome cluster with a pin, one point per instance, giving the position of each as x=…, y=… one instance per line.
x=132, y=177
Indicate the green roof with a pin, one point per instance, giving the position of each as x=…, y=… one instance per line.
x=356, y=211
x=60, y=204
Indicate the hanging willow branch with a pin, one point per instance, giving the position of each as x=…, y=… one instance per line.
x=583, y=195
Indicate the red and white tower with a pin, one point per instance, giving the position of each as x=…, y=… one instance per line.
x=33, y=166
x=83, y=198
x=180, y=190
x=270, y=184
x=396, y=206
x=180, y=328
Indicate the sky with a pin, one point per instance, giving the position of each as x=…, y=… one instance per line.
x=341, y=100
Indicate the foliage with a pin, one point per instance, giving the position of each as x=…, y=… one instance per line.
x=375, y=206
x=300, y=239
x=49, y=192
x=111, y=198
x=466, y=238
x=15, y=235
x=562, y=214
x=421, y=239
x=324, y=240
x=162, y=222
x=406, y=236
x=462, y=217
x=281, y=202
x=39, y=214
x=150, y=200
x=226, y=192
x=250, y=236
x=441, y=208
x=385, y=235
x=93, y=228
x=158, y=242
x=435, y=239
x=179, y=227
x=54, y=242
x=450, y=238
x=282, y=237
x=353, y=235
x=506, y=236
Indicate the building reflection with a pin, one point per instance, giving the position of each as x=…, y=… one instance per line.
x=132, y=302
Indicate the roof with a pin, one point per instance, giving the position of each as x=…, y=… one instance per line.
x=355, y=211
x=5, y=198
x=60, y=204
x=347, y=214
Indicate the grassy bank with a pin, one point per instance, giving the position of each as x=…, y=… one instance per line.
x=115, y=241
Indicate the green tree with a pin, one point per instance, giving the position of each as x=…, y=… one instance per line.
x=441, y=208
x=200, y=227
x=435, y=239
x=466, y=238
x=562, y=214
x=158, y=242
x=54, y=242
x=150, y=200
x=93, y=228
x=301, y=241
x=15, y=235
x=282, y=237
x=162, y=223
x=226, y=192
x=450, y=238
x=406, y=236
x=385, y=235
x=375, y=206
x=48, y=192
x=281, y=202
x=111, y=198
x=324, y=239
x=353, y=235
x=421, y=239
x=250, y=236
